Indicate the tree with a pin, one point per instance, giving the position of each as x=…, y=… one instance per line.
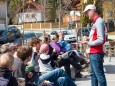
x=13, y=6
x=51, y=10
x=99, y=7
x=84, y=19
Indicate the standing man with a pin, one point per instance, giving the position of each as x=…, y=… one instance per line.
x=95, y=42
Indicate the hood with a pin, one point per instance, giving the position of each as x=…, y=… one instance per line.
x=4, y=72
x=44, y=57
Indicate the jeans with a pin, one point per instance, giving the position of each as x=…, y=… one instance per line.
x=96, y=70
x=58, y=76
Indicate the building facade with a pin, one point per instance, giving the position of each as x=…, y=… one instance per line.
x=109, y=10
x=3, y=14
x=2, y=11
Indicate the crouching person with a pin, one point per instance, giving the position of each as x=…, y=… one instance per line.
x=21, y=57
x=6, y=78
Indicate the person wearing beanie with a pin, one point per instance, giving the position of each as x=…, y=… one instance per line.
x=95, y=42
x=45, y=62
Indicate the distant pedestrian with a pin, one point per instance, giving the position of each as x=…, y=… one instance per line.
x=95, y=42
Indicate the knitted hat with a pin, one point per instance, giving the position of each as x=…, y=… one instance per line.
x=44, y=47
x=29, y=68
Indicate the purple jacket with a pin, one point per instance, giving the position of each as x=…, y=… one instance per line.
x=57, y=46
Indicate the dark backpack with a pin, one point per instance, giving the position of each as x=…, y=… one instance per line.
x=5, y=81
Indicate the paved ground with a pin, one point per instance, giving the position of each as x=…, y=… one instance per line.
x=109, y=68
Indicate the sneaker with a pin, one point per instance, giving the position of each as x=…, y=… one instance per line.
x=73, y=79
x=84, y=66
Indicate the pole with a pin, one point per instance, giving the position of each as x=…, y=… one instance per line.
x=6, y=25
x=81, y=45
x=23, y=21
x=114, y=12
x=44, y=13
x=81, y=12
x=60, y=15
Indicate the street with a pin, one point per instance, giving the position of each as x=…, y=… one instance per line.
x=109, y=68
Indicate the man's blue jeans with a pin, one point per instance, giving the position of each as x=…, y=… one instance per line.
x=57, y=76
x=96, y=70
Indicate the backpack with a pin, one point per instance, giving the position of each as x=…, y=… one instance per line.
x=67, y=46
x=5, y=81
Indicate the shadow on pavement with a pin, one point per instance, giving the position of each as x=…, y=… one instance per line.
x=110, y=69
x=83, y=79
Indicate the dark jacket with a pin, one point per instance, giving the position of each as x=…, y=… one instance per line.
x=52, y=54
x=6, y=77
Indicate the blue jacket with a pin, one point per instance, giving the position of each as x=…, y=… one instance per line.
x=66, y=46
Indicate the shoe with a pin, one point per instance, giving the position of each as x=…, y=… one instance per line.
x=84, y=66
x=73, y=79
x=84, y=61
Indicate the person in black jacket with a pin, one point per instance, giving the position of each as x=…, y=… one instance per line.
x=6, y=78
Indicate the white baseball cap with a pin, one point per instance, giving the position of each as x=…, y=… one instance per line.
x=89, y=7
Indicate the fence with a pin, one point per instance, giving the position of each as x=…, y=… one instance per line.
x=42, y=26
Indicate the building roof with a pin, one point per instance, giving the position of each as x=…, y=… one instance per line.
x=31, y=6
x=72, y=4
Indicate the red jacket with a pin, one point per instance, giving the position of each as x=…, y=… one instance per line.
x=97, y=36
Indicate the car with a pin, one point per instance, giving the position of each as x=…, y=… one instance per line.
x=1, y=31
x=52, y=33
x=38, y=34
x=84, y=31
x=68, y=36
x=28, y=36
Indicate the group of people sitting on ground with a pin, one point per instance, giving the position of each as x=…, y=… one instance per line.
x=40, y=62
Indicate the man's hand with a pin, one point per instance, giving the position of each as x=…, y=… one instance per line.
x=85, y=38
x=83, y=42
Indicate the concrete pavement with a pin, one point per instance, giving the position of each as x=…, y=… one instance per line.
x=109, y=68
x=112, y=37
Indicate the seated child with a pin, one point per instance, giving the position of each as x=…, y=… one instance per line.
x=6, y=78
x=45, y=62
